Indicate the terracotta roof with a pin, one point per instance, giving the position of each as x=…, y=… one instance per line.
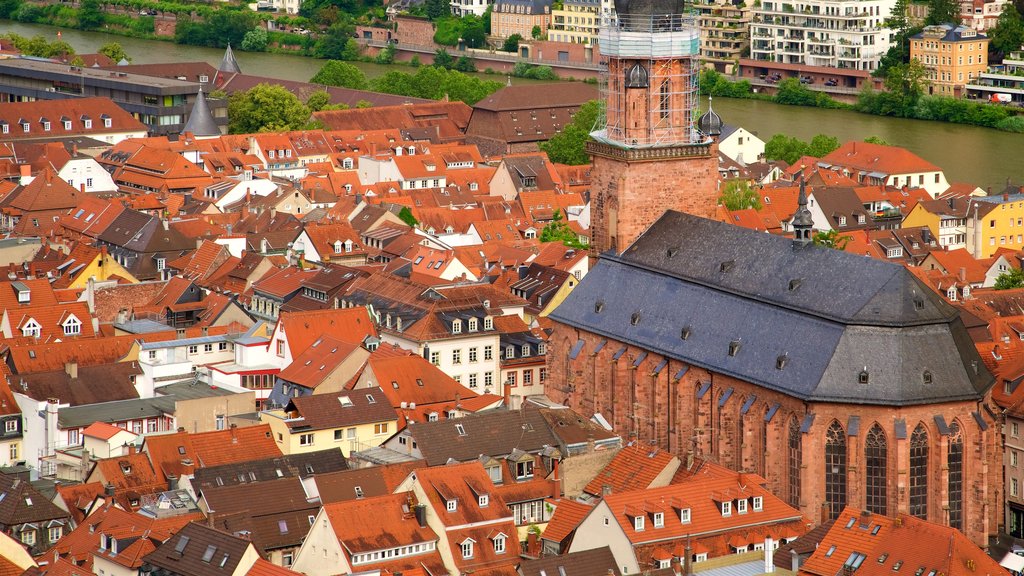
x=383, y=523
x=595, y=562
x=904, y=543
x=24, y=504
x=102, y=430
x=878, y=158
x=181, y=452
x=80, y=390
x=566, y=518
x=351, y=325
x=78, y=498
x=413, y=379
x=73, y=110
x=635, y=467
x=196, y=541
x=449, y=118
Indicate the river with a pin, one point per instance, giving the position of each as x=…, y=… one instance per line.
x=980, y=156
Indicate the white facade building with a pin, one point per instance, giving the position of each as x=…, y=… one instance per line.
x=848, y=34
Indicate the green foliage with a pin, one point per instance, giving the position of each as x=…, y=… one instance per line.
x=9, y=7
x=405, y=214
x=1008, y=33
x=943, y=12
x=442, y=59
x=39, y=46
x=789, y=149
x=336, y=45
x=387, y=55
x=435, y=83
x=474, y=33
x=536, y=33
x=904, y=85
x=1012, y=278
x=219, y=29
x=114, y=51
x=266, y=108
x=738, y=195
x=831, y=239
x=318, y=101
x=569, y=145
x=1012, y=124
x=77, y=61
x=558, y=231
x=437, y=9
x=28, y=13
x=90, y=15
x=465, y=64
x=255, y=40
x=876, y=140
x=511, y=43
x=448, y=31
x=364, y=104
x=415, y=61
x=714, y=84
x=338, y=73
x=527, y=70
x=792, y=92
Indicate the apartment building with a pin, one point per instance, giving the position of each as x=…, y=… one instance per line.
x=724, y=33
x=953, y=56
x=848, y=34
x=577, y=21
x=510, y=17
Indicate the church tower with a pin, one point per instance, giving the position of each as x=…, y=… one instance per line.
x=648, y=154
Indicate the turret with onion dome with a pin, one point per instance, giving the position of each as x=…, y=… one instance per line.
x=710, y=123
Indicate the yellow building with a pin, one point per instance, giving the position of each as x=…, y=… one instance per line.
x=350, y=420
x=945, y=218
x=576, y=21
x=952, y=55
x=995, y=222
x=85, y=262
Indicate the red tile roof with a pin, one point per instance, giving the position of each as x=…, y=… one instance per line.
x=634, y=468
x=317, y=362
x=75, y=110
x=350, y=325
x=102, y=430
x=566, y=518
x=181, y=452
x=879, y=158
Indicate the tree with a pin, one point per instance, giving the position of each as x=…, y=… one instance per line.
x=558, y=231
x=9, y=7
x=789, y=149
x=338, y=73
x=448, y=30
x=415, y=61
x=822, y=145
x=473, y=32
x=387, y=55
x=831, y=239
x=905, y=84
x=464, y=64
x=90, y=15
x=318, y=101
x=1008, y=33
x=114, y=51
x=266, y=108
x=442, y=59
x=437, y=9
x=876, y=140
x=943, y=12
x=792, y=92
x=536, y=33
x=337, y=43
x=405, y=215
x=255, y=40
x=569, y=145
x=1012, y=278
x=738, y=195
x=511, y=43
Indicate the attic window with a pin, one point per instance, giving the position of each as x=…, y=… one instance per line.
x=460, y=429
x=795, y=283
x=671, y=252
x=734, y=347
x=918, y=303
x=370, y=399
x=211, y=550
x=451, y=505
x=634, y=319
x=685, y=333
x=780, y=362
x=862, y=377
x=727, y=265
x=345, y=401
x=927, y=377
x=598, y=306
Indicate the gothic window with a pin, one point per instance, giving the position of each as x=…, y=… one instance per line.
x=636, y=76
x=919, y=472
x=835, y=469
x=795, y=461
x=664, y=104
x=875, y=453
x=955, y=463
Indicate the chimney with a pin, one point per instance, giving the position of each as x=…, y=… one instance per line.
x=81, y=187
x=172, y=482
x=1006, y=196
x=131, y=449
x=677, y=569
x=507, y=393
x=85, y=462
x=689, y=557
x=606, y=489
x=273, y=212
x=769, y=555
x=556, y=481
x=963, y=274
x=71, y=369
x=166, y=224
x=421, y=515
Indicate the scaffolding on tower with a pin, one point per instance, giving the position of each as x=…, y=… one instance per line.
x=656, y=103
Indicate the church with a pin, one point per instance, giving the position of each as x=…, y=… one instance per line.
x=840, y=379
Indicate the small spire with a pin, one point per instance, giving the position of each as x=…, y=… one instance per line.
x=228, y=63
x=710, y=123
x=802, y=220
x=200, y=121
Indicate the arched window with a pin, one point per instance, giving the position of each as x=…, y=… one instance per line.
x=919, y=472
x=795, y=461
x=875, y=452
x=955, y=463
x=835, y=469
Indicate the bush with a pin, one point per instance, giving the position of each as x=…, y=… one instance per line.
x=1012, y=124
x=511, y=43
x=28, y=13
x=526, y=70
x=255, y=40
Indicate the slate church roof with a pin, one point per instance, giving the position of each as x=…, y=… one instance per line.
x=814, y=323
